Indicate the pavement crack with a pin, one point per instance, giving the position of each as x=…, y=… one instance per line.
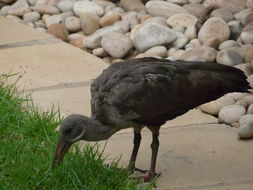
x=30, y=43
x=61, y=86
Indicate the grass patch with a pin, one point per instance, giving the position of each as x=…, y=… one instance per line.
x=27, y=142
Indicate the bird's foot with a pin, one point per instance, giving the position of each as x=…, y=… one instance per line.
x=147, y=178
x=139, y=170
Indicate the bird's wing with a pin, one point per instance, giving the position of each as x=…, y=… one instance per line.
x=154, y=92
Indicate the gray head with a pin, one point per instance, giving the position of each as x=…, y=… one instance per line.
x=72, y=129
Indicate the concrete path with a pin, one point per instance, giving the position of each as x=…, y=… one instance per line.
x=192, y=155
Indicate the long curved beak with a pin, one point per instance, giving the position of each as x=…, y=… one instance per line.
x=61, y=149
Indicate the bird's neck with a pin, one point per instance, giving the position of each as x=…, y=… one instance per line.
x=98, y=131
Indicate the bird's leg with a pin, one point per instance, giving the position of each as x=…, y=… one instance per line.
x=136, y=142
x=154, y=147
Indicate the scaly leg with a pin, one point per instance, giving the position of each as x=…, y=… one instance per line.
x=154, y=147
x=136, y=142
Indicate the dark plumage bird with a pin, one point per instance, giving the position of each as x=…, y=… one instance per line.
x=147, y=92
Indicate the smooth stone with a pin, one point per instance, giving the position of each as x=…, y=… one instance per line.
x=199, y=54
x=157, y=19
x=229, y=57
x=81, y=7
x=195, y=43
x=108, y=20
x=191, y=32
x=119, y=10
x=66, y=14
x=215, y=106
x=181, y=41
x=145, y=17
x=59, y=31
x=32, y=2
x=31, y=16
x=53, y=2
x=235, y=125
x=182, y=19
x=248, y=27
x=41, y=2
x=246, y=68
x=171, y=51
x=75, y=36
x=234, y=6
x=245, y=16
x=52, y=19
x=248, y=100
x=30, y=24
x=19, y=8
x=40, y=29
x=123, y=25
x=176, y=55
x=246, y=51
x=179, y=2
x=223, y=13
x=163, y=8
x=245, y=130
x=237, y=95
x=214, y=28
x=14, y=18
x=235, y=28
x=195, y=1
x=213, y=42
x=195, y=9
x=231, y=113
x=72, y=24
x=245, y=119
x=242, y=103
x=134, y=31
x=132, y=5
x=153, y=34
x=250, y=4
x=4, y=10
x=100, y=52
x=142, y=55
x=250, y=80
x=46, y=9
x=247, y=37
x=94, y=41
x=78, y=42
x=250, y=109
x=116, y=44
x=89, y=23
x=65, y=5
x=40, y=24
x=131, y=18
x=180, y=29
x=160, y=51
x=105, y=3
x=228, y=44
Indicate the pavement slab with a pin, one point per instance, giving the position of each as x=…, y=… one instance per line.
x=47, y=65
x=13, y=32
x=208, y=157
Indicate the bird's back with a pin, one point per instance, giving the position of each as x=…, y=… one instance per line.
x=150, y=91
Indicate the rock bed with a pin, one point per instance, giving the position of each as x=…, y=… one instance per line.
x=125, y=29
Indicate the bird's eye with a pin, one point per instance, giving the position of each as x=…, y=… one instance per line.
x=67, y=131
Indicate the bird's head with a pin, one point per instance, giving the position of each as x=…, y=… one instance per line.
x=72, y=129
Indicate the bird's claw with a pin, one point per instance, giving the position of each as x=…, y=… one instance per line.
x=147, y=178
x=139, y=170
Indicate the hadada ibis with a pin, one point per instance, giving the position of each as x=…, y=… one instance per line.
x=147, y=92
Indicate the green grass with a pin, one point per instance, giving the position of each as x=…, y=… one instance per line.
x=27, y=142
